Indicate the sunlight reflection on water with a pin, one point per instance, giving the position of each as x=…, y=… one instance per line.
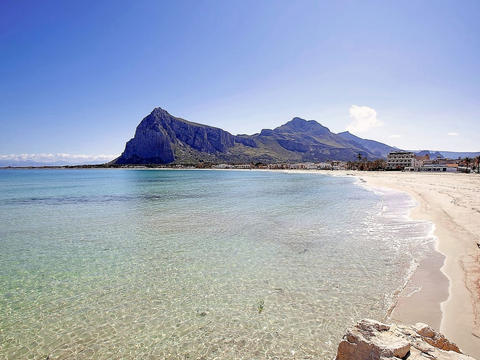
x=173, y=264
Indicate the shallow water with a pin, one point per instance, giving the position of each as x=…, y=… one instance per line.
x=139, y=264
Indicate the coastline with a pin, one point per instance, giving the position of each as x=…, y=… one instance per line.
x=426, y=288
x=444, y=290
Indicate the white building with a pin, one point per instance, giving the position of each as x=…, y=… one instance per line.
x=439, y=167
x=242, y=166
x=223, y=166
x=399, y=160
x=324, y=166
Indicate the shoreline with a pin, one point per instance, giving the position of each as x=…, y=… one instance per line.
x=414, y=301
x=450, y=202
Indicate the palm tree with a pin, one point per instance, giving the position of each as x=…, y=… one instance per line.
x=477, y=160
x=467, y=161
x=359, y=156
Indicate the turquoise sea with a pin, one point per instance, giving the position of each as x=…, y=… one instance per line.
x=170, y=264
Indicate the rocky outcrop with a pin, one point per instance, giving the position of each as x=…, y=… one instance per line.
x=160, y=137
x=372, y=340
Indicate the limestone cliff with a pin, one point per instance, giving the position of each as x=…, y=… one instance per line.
x=160, y=137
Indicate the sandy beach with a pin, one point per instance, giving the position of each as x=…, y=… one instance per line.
x=444, y=291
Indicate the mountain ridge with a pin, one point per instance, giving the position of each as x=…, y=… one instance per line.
x=376, y=147
x=161, y=138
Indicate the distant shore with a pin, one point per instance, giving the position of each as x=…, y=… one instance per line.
x=444, y=291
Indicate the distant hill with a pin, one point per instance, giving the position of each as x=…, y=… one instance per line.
x=33, y=163
x=161, y=138
x=379, y=149
x=435, y=154
x=25, y=163
x=431, y=154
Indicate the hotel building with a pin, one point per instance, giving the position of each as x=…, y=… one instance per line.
x=399, y=160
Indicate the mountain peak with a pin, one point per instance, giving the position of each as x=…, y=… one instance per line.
x=160, y=111
x=296, y=123
x=297, y=119
x=301, y=125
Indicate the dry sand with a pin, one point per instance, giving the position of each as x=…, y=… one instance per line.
x=444, y=291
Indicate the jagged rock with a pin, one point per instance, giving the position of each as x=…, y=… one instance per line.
x=160, y=135
x=434, y=338
x=372, y=340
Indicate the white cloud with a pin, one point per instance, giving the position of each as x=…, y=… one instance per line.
x=453, y=134
x=364, y=118
x=395, y=136
x=57, y=158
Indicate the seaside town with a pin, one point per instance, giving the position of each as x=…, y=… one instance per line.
x=396, y=161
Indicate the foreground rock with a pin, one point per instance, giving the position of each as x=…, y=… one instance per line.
x=372, y=340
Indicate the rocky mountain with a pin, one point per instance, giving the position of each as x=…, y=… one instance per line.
x=302, y=140
x=161, y=138
x=377, y=148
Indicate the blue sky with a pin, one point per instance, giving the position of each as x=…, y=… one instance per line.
x=77, y=77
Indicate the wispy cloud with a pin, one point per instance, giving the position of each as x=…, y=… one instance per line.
x=363, y=118
x=453, y=134
x=395, y=136
x=57, y=158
